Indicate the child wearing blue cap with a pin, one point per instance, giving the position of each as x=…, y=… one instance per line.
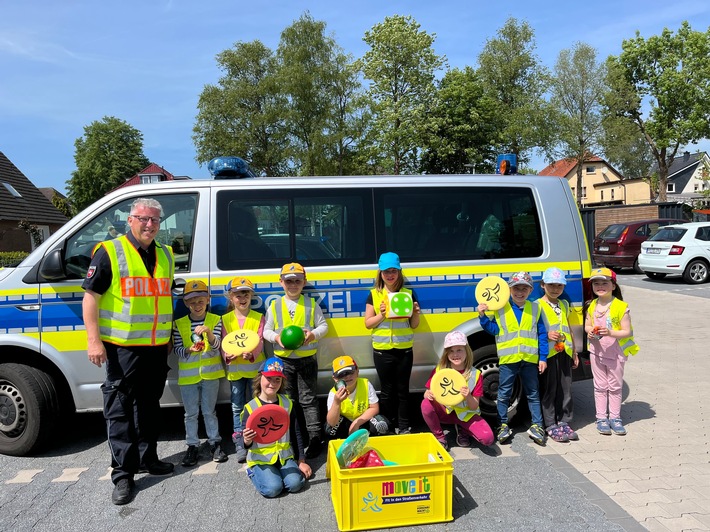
x=392, y=341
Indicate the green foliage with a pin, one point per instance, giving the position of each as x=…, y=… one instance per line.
x=31, y=230
x=10, y=259
x=62, y=205
x=626, y=149
x=110, y=152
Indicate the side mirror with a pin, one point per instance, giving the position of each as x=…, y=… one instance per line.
x=52, y=266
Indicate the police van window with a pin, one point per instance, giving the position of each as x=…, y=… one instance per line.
x=176, y=229
x=460, y=223
x=318, y=229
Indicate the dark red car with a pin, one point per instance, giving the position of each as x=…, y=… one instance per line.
x=619, y=245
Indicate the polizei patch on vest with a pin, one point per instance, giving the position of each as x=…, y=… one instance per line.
x=145, y=286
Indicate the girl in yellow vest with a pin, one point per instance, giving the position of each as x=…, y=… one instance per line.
x=556, y=381
x=352, y=403
x=241, y=369
x=392, y=341
x=282, y=464
x=608, y=327
x=199, y=370
x=466, y=416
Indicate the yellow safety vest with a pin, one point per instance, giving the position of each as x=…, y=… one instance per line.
x=268, y=453
x=463, y=412
x=304, y=307
x=137, y=309
x=617, y=310
x=518, y=341
x=239, y=368
x=561, y=324
x=390, y=333
x=202, y=365
x=353, y=409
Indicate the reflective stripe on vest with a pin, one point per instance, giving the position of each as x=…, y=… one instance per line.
x=239, y=368
x=268, y=453
x=354, y=408
x=390, y=333
x=518, y=341
x=617, y=310
x=553, y=323
x=463, y=412
x=282, y=319
x=203, y=365
x=137, y=309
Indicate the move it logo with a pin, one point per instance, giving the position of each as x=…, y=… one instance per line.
x=398, y=491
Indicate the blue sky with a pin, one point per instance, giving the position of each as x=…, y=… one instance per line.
x=64, y=64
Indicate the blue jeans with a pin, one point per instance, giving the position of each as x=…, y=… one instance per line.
x=241, y=395
x=528, y=373
x=201, y=395
x=270, y=480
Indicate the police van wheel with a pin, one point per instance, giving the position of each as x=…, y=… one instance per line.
x=486, y=361
x=28, y=406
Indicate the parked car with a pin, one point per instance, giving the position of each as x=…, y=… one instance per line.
x=618, y=245
x=678, y=249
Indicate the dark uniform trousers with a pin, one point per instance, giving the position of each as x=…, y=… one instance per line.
x=135, y=380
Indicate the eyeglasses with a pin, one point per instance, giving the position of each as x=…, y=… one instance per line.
x=145, y=219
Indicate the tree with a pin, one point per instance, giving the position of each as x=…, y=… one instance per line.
x=401, y=65
x=662, y=84
x=244, y=114
x=626, y=149
x=578, y=88
x=110, y=151
x=515, y=79
x=62, y=205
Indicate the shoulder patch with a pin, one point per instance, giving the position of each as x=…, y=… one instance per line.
x=91, y=272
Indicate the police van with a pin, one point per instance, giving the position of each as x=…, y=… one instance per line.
x=450, y=231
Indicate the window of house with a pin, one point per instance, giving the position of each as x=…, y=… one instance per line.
x=612, y=193
x=12, y=190
x=150, y=178
x=670, y=187
x=591, y=169
x=696, y=187
x=602, y=194
x=584, y=192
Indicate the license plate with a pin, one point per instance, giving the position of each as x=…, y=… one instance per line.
x=603, y=248
x=653, y=251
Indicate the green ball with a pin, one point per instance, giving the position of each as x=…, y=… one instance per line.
x=292, y=337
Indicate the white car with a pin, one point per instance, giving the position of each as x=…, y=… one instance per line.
x=682, y=249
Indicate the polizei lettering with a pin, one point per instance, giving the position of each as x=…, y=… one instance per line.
x=145, y=287
x=397, y=491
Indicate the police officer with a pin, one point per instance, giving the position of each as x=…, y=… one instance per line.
x=127, y=311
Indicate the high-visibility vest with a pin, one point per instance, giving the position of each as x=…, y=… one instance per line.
x=305, y=314
x=462, y=411
x=617, y=310
x=239, y=368
x=390, y=333
x=137, y=308
x=561, y=324
x=268, y=453
x=518, y=341
x=201, y=365
x=354, y=408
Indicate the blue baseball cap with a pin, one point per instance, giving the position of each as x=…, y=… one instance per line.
x=389, y=260
x=554, y=275
x=272, y=367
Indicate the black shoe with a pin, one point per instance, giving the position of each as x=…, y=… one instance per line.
x=218, y=454
x=123, y=491
x=314, y=447
x=190, y=458
x=158, y=468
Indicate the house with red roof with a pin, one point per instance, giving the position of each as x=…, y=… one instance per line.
x=151, y=174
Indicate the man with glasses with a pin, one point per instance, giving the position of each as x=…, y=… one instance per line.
x=128, y=313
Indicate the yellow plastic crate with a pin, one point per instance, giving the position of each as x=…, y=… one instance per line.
x=418, y=490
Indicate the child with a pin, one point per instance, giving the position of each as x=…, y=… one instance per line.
x=608, y=327
x=241, y=369
x=521, y=339
x=392, y=341
x=354, y=405
x=199, y=371
x=300, y=365
x=556, y=382
x=466, y=415
x=271, y=466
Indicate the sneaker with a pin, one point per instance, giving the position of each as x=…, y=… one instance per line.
x=444, y=443
x=218, y=454
x=314, y=447
x=537, y=434
x=603, y=427
x=408, y=430
x=617, y=427
x=462, y=439
x=503, y=433
x=241, y=455
x=190, y=458
x=158, y=468
x=250, y=473
x=571, y=435
x=123, y=491
x=557, y=433
x=380, y=424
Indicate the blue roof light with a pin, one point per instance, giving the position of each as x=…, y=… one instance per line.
x=229, y=167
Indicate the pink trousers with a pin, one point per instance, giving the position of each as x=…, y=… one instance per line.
x=434, y=415
x=608, y=375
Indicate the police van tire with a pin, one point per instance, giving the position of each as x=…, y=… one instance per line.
x=486, y=361
x=29, y=407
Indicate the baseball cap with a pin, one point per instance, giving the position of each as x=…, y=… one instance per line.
x=554, y=275
x=292, y=270
x=389, y=260
x=343, y=364
x=520, y=278
x=195, y=289
x=272, y=367
x=455, y=338
x=239, y=283
x=602, y=273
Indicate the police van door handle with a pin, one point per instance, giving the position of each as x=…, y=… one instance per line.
x=27, y=308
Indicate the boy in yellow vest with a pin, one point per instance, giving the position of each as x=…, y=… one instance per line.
x=352, y=403
x=300, y=365
x=199, y=370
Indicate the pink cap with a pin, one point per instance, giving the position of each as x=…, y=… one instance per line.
x=455, y=338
